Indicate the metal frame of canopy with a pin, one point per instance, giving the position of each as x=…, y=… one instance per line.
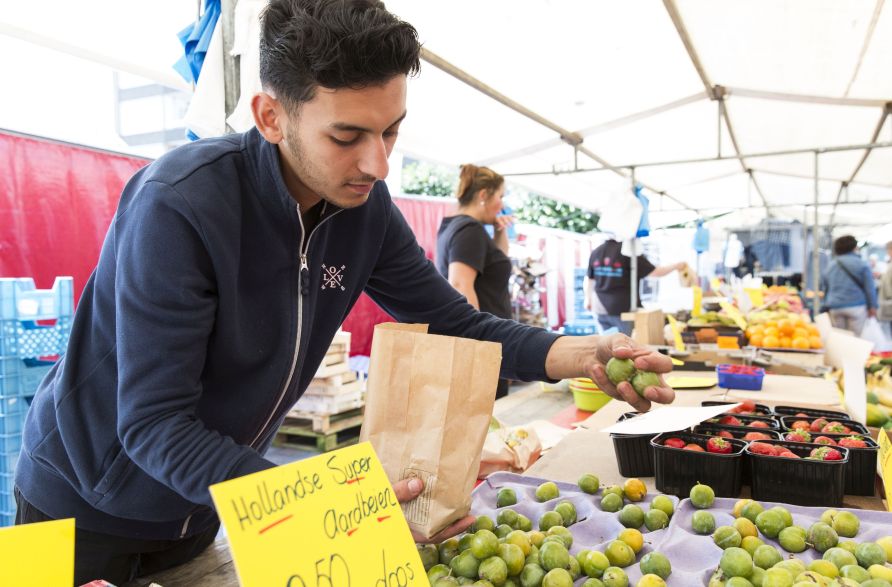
x=712, y=91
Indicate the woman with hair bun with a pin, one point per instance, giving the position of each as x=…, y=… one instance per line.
x=475, y=264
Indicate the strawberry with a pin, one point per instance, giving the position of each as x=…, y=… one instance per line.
x=825, y=453
x=674, y=442
x=825, y=441
x=797, y=436
x=757, y=436
x=836, y=428
x=800, y=425
x=788, y=454
x=853, y=442
x=761, y=448
x=746, y=407
x=801, y=415
x=818, y=424
x=759, y=424
x=694, y=447
x=725, y=434
x=730, y=421
x=718, y=445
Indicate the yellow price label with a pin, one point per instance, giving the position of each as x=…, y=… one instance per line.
x=38, y=554
x=734, y=314
x=698, y=301
x=716, y=284
x=331, y=520
x=676, y=333
x=886, y=463
x=757, y=299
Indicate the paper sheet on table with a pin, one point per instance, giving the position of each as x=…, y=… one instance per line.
x=855, y=390
x=549, y=434
x=842, y=347
x=668, y=419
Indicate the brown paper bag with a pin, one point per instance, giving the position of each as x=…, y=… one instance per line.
x=428, y=404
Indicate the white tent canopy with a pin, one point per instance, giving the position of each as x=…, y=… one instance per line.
x=637, y=81
x=797, y=74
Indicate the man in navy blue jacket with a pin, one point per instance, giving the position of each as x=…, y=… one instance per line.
x=211, y=305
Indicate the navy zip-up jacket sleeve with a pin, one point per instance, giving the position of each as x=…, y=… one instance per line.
x=166, y=306
x=408, y=286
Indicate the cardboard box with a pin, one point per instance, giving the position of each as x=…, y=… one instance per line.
x=648, y=327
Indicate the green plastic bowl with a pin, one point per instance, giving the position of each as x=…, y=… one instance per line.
x=590, y=401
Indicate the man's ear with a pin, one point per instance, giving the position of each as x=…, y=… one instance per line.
x=268, y=114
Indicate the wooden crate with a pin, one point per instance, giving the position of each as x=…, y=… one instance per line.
x=325, y=371
x=333, y=389
x=320, y=432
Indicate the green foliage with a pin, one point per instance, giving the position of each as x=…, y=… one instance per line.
x=429, y=180
x=542, y=211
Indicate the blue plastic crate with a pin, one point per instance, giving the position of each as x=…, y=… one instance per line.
x=11, y=423
x=13, y=405
x=730, y=380
x=20, y=300
x=21, y=377
x=10, y=443
x=580, y=328
x=8, y=461
x=7, y=497
x=22, y=305
x=7, y=519
x=26, y=339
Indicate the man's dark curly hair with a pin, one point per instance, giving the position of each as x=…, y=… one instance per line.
x=335, y=44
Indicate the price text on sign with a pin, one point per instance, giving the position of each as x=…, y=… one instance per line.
x=38, y=554
x=328, y=521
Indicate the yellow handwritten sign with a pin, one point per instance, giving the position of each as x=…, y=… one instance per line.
x=734, y=314
x=698, y=301
x=676, y=333
x=757, y=299
x=38, y=554
x=330, y=520
x=885, y=455
x=715, y=284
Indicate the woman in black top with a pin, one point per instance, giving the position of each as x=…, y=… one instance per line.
x=475, y=264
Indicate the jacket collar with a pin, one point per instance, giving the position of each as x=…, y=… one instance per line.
x=271, y=182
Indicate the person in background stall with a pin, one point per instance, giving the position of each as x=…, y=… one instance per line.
x=609, y=278
x=884, y=311
x=848, y=286
x=476, y=265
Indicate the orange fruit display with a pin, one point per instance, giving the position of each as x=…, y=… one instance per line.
x=815, y=342
x=756, y=340
x=770, y=341
x=771, y=331
x=785, y=342
x=802, y=343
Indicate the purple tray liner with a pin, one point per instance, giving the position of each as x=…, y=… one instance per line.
x=694, y=558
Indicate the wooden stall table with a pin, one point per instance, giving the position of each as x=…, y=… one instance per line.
x=212, y=568
x=588, y=450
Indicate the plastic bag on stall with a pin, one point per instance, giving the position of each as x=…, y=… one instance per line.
x=512, y=449
x=873, y=332
x=622, y=217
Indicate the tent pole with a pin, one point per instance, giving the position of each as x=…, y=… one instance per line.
x=231, y=81
x=876, y=135
x=741, y=156
x=803, y=98
x=571, y=138
x=721, y=110
x=815, y=258
x=592, y=130
x=633, y=246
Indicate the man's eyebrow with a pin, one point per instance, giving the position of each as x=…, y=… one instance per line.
x=346, y=126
